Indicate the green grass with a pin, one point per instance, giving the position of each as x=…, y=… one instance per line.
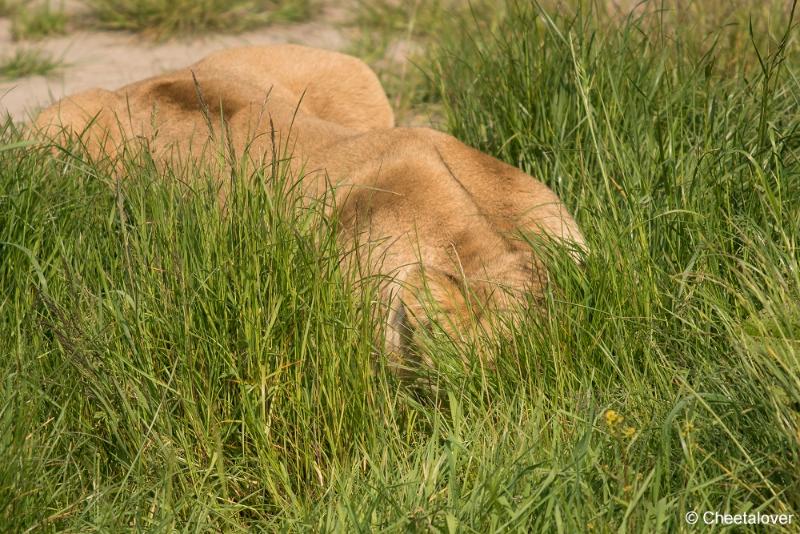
x=393, y=37
x=6, y=8
x=166, y=18
x=27, y=62
x=167, y=365
x=383, y=21
x=37, y=22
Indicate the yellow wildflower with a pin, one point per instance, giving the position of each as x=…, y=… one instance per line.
x=613, y=418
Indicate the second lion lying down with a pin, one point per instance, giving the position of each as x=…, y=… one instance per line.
x=444, y=221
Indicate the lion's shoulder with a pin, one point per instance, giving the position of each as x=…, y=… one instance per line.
x=335, y=87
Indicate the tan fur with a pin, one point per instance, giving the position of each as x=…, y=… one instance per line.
x=443, y=219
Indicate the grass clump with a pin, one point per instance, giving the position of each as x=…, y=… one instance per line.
x=683, y=169
x=27, y=62
x=170, y=365
x=37, y=22
x=6, y=8
x=166, y=18
x=203, y=352
x=395, y=38
x=385, y=21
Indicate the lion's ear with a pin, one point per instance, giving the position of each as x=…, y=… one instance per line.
x=398, y=335
x=428, y=302
x=432, y=295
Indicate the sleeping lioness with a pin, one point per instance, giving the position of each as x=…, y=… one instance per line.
x=445, y=221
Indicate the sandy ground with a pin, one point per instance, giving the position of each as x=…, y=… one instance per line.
x=112, y=59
